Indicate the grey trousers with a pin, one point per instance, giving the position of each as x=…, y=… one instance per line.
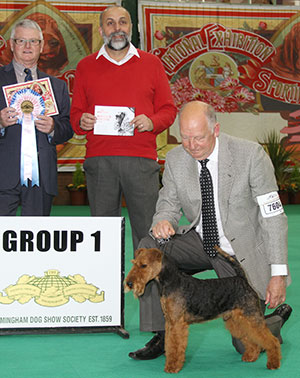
x=137, y=178
x=188, y=253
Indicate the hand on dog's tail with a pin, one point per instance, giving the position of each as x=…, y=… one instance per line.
x=234, y=263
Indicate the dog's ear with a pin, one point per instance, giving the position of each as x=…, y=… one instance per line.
x=157, y=253
x=137, y=252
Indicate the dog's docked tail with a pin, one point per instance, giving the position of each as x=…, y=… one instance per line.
x=234, y=263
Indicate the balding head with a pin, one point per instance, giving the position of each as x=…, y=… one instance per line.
x=199, y=108
x=198, y=128
x=112, y=8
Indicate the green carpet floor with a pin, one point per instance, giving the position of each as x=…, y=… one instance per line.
x=209, y=353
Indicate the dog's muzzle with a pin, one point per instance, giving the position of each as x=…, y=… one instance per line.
x=129, y=284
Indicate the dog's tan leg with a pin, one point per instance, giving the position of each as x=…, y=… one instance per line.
x=175, y=345
x=236, y=326
x=262, y=336
x=255, y=336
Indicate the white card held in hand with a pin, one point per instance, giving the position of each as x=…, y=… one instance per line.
x=114, y=120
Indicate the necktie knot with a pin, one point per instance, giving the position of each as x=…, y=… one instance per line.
x=28, y=76
x=204, y=162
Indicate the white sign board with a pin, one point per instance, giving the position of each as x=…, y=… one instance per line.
x=61, y=272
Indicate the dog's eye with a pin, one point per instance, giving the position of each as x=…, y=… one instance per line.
x=143, y=266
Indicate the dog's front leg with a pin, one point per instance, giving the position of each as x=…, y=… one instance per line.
x=175, y=345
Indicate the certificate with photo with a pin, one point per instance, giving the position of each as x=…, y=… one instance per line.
x=114, y=120
x=36, y=97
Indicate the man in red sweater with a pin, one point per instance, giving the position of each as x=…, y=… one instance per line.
x=121, y=75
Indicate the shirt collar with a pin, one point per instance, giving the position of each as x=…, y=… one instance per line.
x=132, y=51
x=214, y=155
x=19, y=70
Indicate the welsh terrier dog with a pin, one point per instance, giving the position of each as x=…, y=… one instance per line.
x=186, y=300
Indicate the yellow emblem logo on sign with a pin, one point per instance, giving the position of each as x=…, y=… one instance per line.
x=52, y=290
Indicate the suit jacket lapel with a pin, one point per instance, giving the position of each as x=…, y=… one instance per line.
x=40, y=74
x=10, y=76
x=225, y=176
x=191, y=177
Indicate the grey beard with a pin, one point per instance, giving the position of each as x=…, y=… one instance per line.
x=117, y=45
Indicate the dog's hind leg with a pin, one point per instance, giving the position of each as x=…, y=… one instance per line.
x=237, y=326
x=256, y=337
x=262, y=336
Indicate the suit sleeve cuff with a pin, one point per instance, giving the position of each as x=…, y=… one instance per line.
x=279, y=270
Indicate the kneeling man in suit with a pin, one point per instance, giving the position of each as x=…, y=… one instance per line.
x=226, y=188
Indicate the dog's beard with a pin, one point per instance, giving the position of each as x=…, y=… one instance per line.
x=137, y=290
x=119, y=44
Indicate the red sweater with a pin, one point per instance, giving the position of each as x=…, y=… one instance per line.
x=140, y=83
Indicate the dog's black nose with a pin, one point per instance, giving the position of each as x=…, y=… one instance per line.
x=129, y=284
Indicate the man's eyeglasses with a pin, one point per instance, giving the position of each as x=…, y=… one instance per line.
x=22, y=42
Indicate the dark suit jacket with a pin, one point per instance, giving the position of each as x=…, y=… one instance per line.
x=10, y=143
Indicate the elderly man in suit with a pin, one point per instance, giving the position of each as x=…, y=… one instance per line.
x=34, y=193
x=247, y=220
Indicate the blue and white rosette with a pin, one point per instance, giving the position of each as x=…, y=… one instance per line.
x=28, y=105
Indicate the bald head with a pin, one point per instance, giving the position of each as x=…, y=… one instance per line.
x=198, y=128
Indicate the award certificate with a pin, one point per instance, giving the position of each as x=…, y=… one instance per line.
x=36, y=96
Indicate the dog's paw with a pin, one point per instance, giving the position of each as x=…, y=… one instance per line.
x=172, y=368
x=250, y=357
x=273, y=364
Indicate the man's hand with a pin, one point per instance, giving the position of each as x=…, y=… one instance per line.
x=87, y=121
x=276, y=291
x=142, y=123
x=8, y=117
x=163, y=230
x=44, y=124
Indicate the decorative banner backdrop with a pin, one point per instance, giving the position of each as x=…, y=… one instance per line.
x=237, y=58
x=66, y=273
x=70, y=30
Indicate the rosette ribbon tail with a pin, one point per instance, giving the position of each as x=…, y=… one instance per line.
x=29, y=156
x=28, y=105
